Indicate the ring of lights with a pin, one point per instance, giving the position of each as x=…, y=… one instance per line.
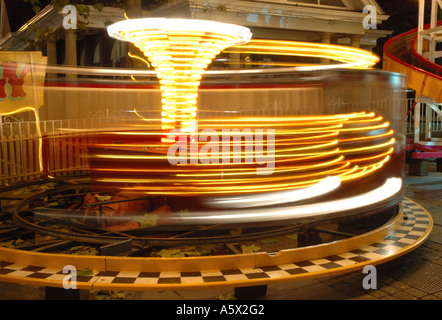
x=348, y=56
x=180, y=26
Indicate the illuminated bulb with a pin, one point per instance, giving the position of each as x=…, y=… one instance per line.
x=180, y=50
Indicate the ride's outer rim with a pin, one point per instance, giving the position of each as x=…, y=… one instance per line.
x=254, y=260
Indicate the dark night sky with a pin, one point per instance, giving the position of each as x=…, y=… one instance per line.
x=18, y=13
x=403, y=15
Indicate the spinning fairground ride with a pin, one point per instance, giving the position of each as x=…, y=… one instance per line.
x=237, y=177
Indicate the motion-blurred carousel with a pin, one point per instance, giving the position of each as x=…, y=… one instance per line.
x=214, y=190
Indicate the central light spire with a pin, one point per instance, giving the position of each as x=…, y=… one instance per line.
x=180, y=51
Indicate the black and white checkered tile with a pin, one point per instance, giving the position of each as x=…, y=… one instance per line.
x=415, y=223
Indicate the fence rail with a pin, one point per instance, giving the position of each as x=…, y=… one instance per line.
x=424, y=120
x=19, y=159
x=27, y=155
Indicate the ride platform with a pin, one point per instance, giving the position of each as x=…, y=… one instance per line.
x=400, y=235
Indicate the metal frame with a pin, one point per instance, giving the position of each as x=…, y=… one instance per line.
x=430, y=147
x=433, y=34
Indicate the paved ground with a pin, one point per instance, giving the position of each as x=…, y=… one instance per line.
x=414, y=276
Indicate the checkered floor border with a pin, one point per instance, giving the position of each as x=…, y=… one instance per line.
x=415, y=224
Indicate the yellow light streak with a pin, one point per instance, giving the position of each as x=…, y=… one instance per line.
x=145, y=186
x=192, y=190
x=366, y=128
x=353, y=139
x=191, y=158
x=141, y=117
x=378, y=146
x=139, y=58
x=354, y=57
x=321, y=117
x=200, y=171
x=390, y=151
x=364, y=171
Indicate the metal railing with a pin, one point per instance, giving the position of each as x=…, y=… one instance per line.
x=424, y=119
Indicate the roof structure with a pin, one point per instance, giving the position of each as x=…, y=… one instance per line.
x=281, y=19
x=301, y=20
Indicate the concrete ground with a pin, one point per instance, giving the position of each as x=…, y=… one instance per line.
x=414, y=276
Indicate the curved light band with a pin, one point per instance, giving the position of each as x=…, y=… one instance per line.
x=387, y=190
x=348, y=56
x=391, y=187
x=325, y=186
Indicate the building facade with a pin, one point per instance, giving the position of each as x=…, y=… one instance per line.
x=324, y=21
x=346, y=22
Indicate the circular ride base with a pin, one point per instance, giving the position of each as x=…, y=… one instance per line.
x=403, y=232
